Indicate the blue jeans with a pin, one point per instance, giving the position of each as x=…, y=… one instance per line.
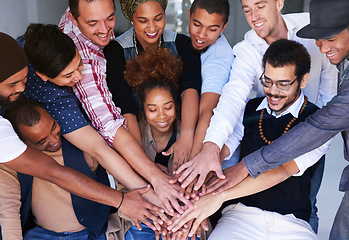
x=42, y=233
x=340, y=227
x=314, y=189
x=145, y=234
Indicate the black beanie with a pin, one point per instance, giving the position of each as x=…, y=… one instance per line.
x=12, y=57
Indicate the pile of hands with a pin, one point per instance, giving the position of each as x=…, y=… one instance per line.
x=178, y=205
x=200, y=184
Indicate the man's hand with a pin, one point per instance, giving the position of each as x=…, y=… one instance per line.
x=204, y=207
x=169, y=194
x=203, y=163
x=234, y=175
x=137, y=209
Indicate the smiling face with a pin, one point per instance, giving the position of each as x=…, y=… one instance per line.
x=43, y=136
x=205, y=28
x=160, y=111
x=264, y=17
x=149, y=23
x=336, y=48
x=70, y=76
x=279, y=100
x=12, y=87
x=96, y=20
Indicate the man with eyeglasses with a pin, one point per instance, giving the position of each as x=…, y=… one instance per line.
x=268, y=25
x=282, y=211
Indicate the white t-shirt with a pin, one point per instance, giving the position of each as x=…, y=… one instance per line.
x=10, y=145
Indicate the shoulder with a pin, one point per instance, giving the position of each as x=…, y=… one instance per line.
x=182, y=41
x=310, y=108
x=254, y=103
x=299, y=20
x=169, y=36
x=126, y=39
x=243, y=47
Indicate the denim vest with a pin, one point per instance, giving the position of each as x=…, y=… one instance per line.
x=90, y=214
x=127, y=43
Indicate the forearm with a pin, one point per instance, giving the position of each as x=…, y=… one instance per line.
x=266, y=180
x=91, y=142
x=10, y=204
x=133, y=127
x=39, y=165
x=189, y=114
x=233, y=98
x=125, y=144
x=317, y=129
x=208, y=102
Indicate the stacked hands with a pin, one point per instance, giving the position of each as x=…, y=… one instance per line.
x=179, y=205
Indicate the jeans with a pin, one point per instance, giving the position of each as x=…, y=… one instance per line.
x=314, y=189
x=340, y=227
x=42, y=233
x=145, y=234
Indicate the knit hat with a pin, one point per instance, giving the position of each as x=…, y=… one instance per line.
x=12, y=57
x=129, y=6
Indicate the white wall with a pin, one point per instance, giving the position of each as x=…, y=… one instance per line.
x=16, y=15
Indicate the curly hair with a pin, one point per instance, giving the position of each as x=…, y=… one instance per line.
x=151, y=70
x=285, y=52
x=153, y=65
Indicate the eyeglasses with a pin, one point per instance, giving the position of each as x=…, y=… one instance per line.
x=283, y=85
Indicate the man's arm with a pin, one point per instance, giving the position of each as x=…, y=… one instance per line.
x=93, y=93
x=91, y=142
x=133, y=127
x=317, y=129
x=215, y=70
x=208, y=102
x=228, y=110
x=130, y=150
x=209, y=204
x=38, y=164
x=10, y=204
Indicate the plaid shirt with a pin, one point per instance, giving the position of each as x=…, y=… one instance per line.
x=92, y=91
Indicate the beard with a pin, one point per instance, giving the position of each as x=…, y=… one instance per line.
x=6, y=103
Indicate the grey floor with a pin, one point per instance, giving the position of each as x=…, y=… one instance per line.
x=329, y=197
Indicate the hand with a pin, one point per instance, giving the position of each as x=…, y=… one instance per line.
x=151, y=197
x=169, y=194
x=203, y=163
x=204, y=207
x=234, y=175
x=137, y=209
x=185, y=231
x=181, y=150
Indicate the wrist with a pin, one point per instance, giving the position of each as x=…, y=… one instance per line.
x=122, y=200
x=211, y=146
x=223, y=196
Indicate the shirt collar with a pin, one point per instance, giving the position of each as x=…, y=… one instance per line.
x=149, y=140
x=293, y=109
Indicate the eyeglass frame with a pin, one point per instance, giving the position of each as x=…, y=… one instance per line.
x=276, y=82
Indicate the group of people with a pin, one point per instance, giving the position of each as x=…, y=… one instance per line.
x=167, y=117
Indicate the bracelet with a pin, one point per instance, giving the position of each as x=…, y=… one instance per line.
x=122, y=199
